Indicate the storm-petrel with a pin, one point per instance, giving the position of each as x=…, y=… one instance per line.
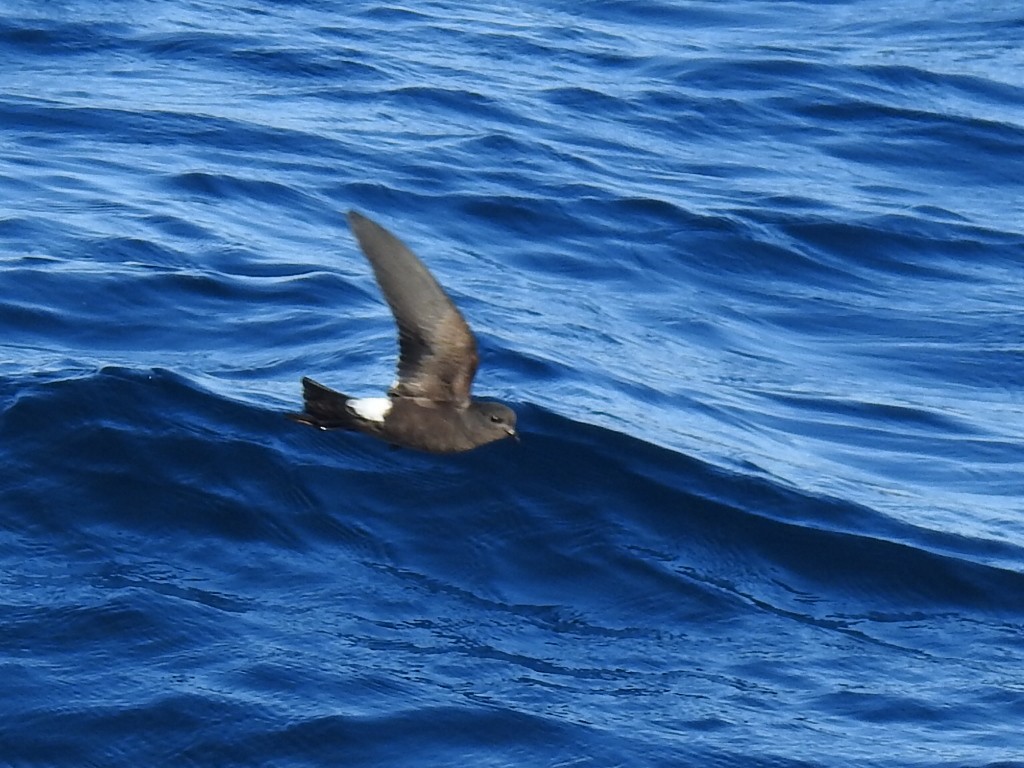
x=429, y=407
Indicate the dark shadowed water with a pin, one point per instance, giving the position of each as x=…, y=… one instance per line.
x=752, y=274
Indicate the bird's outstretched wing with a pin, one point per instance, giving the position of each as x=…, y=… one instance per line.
x=437, y=351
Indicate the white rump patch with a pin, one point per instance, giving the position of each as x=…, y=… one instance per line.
x=371, y=408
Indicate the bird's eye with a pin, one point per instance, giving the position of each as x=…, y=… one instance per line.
x=496, y=419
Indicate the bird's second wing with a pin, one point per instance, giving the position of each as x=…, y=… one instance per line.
x=437, y=351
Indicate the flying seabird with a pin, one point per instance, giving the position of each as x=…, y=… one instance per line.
x=429, y=407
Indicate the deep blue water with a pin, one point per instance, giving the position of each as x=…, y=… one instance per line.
x=752, y=274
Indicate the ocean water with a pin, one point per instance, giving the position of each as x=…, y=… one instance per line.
x=752, y=275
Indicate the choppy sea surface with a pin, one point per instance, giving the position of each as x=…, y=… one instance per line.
x=751, y=273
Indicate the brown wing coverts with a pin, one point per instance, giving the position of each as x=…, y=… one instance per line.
x=437, y=350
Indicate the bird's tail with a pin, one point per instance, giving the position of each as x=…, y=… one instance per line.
x=324, y=408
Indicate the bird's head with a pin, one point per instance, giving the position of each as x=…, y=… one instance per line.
x=498, y=419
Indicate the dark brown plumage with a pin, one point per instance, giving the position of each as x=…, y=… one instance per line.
x=429, y=407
